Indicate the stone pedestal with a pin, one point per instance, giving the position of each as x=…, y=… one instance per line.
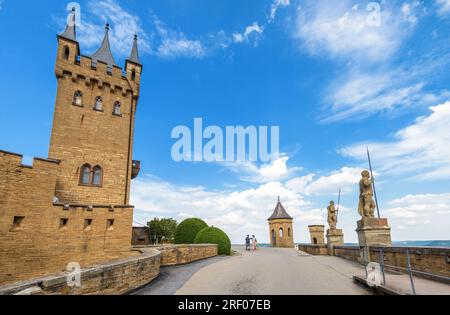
x=335, y=238
x=374, y=232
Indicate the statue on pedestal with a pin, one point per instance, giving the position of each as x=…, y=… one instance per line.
x=367, y=204
x=332, y=216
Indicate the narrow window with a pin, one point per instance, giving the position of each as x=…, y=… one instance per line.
x=133, y=75
x=315, y=241
x=98, y=103
x=281, y=233
x=87, y=224
x=85, y=175
x=97, y=177
x=78, y=98
x=289, y=232
x=63, y=223
x=117, y=109
x=17, y=222
x=110, y=225
x=66, y=53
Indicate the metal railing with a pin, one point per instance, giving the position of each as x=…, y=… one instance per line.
x=408, y=270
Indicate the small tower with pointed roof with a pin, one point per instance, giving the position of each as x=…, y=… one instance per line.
x=281, y=229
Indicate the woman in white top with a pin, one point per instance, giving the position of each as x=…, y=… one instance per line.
x=255, y=243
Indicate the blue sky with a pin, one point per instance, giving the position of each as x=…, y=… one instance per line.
x=331, y=81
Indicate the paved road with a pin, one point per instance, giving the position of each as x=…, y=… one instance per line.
x=267, y=271
x=272, y=271
x=173, y=278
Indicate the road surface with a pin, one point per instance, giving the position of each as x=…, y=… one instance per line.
x=269, y=271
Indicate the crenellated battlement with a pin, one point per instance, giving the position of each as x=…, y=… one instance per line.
x=17, y=160
x=97, y=74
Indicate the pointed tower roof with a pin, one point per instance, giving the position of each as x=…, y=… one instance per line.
x=104, y=53
x=71, y=31
x=280, y=212
x=134, y=56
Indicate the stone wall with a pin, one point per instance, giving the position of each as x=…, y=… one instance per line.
x=185, y=254
x=141, y=236
x=116, y=277
x=425, y=259
x=38, y=237
x=352, y=253
x=316, y=250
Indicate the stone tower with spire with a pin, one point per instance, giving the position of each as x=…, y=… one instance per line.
x=93, y=124
x=74, y=205
x=281, y=229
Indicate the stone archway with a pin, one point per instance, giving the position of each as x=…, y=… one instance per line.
x=274, y=238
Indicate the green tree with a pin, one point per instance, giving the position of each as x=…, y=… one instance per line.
x=162, y=229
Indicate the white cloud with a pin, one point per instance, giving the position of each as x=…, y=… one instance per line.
x=408, y=12
x=421, y=150
x=340, y=29
x=252, y=32
x=275, y=171
x=276, y=5
x=236, y=212
x=413, y=209
x=174, y=44
x=360, y=95
x=443, y=6
x=123, y=27
x=345, y=179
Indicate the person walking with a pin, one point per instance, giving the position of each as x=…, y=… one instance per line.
x=247, y=243
x=255, y=243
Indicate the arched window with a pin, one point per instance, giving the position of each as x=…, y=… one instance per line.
x=133, y=75
x=97, y=176
x=85, y=175
x=66, y=52
x=78, y=98
x=98, y=103
x=117, y=109
x=281, y=233
x=289, y=232
x=315, y=241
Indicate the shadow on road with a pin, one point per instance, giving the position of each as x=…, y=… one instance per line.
x=171, y=279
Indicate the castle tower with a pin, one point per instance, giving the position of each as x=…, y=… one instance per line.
x=280, y=225
x=93, y=124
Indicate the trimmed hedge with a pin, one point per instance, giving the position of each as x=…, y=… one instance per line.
x=212, y=235
x=187, y=231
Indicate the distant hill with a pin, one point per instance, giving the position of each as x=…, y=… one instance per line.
x=423, y=243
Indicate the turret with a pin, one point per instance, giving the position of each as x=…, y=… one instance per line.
x=68, y=47
x=133, y=66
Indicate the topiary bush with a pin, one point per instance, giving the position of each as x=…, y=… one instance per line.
x=212, y=235
x=187, y=231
